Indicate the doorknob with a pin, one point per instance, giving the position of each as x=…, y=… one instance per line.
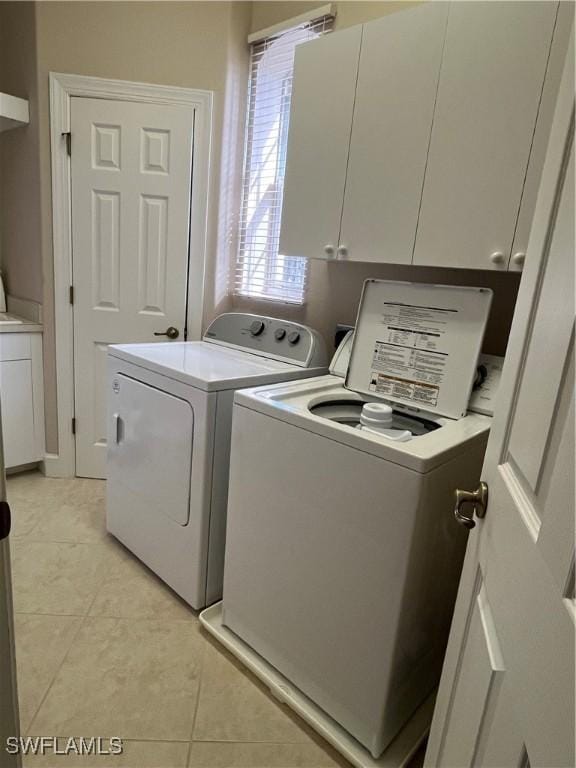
x=478, y=501
x=171, y=332
x=5, y=519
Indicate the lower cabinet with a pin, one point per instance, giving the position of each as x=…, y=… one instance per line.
x=21, y=398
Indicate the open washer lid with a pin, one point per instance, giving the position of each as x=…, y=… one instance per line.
x=418, y=345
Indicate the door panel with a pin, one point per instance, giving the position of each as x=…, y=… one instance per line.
x=152, y=436
x=393, y=112
x=524, y=547
x=548, y=346
x=479, y=686
x=318, y=140
x=491, y=80
x=131, y=176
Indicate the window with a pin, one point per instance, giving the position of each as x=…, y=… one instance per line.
x=260, y=270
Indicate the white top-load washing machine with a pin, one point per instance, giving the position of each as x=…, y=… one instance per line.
x=169, y=420
x=343, y=556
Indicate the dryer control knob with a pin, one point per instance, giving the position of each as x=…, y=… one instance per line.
x=294, y=337
x=279, y=334
x=257, y=327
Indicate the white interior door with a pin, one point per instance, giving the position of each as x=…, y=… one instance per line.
x=131, y=185
x=9, y=722
x=506, y=696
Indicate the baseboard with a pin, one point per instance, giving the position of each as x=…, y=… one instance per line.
x=54, y=466
x=22, y=468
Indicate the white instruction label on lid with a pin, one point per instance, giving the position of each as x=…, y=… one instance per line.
x=410, y=359
x=418, y=344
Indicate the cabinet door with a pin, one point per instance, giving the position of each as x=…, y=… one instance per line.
x=397, y=81
x=490, y=85
x=325, y=74
x=17, y=412
x=554, y=69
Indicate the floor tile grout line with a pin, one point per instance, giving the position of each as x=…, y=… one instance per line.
x=198, y=692
x=81, y=624
x=56, y=671
x=52, y=615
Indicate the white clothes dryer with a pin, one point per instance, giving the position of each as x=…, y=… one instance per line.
x=169, y=421
x=343, y=557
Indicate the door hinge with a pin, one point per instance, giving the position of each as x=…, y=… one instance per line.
x=71, y=294
x=68, y=138
x=74, y=425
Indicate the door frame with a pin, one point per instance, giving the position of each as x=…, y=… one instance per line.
x=62, y=88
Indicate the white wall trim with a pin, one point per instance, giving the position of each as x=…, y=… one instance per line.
x=62, y=88
x=317, y=13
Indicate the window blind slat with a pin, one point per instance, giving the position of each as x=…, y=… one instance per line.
x=260, y=270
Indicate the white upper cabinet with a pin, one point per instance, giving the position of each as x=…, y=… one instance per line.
x=491, y=81
x=419, y=137
x=319, y=138
x=397, y=82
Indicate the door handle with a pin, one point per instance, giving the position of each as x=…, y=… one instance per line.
x=5, y=520
x=171, y=332
x=118, y=428
x=478, y=501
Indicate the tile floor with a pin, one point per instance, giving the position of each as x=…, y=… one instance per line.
x=104, y=648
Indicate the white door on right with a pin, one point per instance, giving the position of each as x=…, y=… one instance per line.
x=506, y=698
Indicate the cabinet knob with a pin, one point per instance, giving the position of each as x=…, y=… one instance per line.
x=329, y=250
x=342, y=251
x=497, y=257
x=518, y=259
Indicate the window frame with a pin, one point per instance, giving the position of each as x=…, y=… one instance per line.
x=260, y=271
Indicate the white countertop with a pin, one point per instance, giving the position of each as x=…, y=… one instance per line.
x=14, y=324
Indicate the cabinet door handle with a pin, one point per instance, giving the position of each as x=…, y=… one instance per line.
x=497, y=257
x=342, y=251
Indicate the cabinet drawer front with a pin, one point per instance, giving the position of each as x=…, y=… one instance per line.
x=15, y=346
x=392, y=120
x=488, y=96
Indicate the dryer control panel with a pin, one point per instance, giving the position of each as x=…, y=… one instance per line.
x=268, y=337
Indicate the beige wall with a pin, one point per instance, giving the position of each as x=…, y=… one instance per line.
x=265, y=13
x=19, y=156
x=189, y=44
x=334, y=288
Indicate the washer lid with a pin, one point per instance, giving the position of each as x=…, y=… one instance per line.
x=418, y=345
x=341, y=360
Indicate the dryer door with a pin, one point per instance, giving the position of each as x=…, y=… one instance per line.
x=150, y=447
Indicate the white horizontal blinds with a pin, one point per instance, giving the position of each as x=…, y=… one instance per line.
x=260, y=270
